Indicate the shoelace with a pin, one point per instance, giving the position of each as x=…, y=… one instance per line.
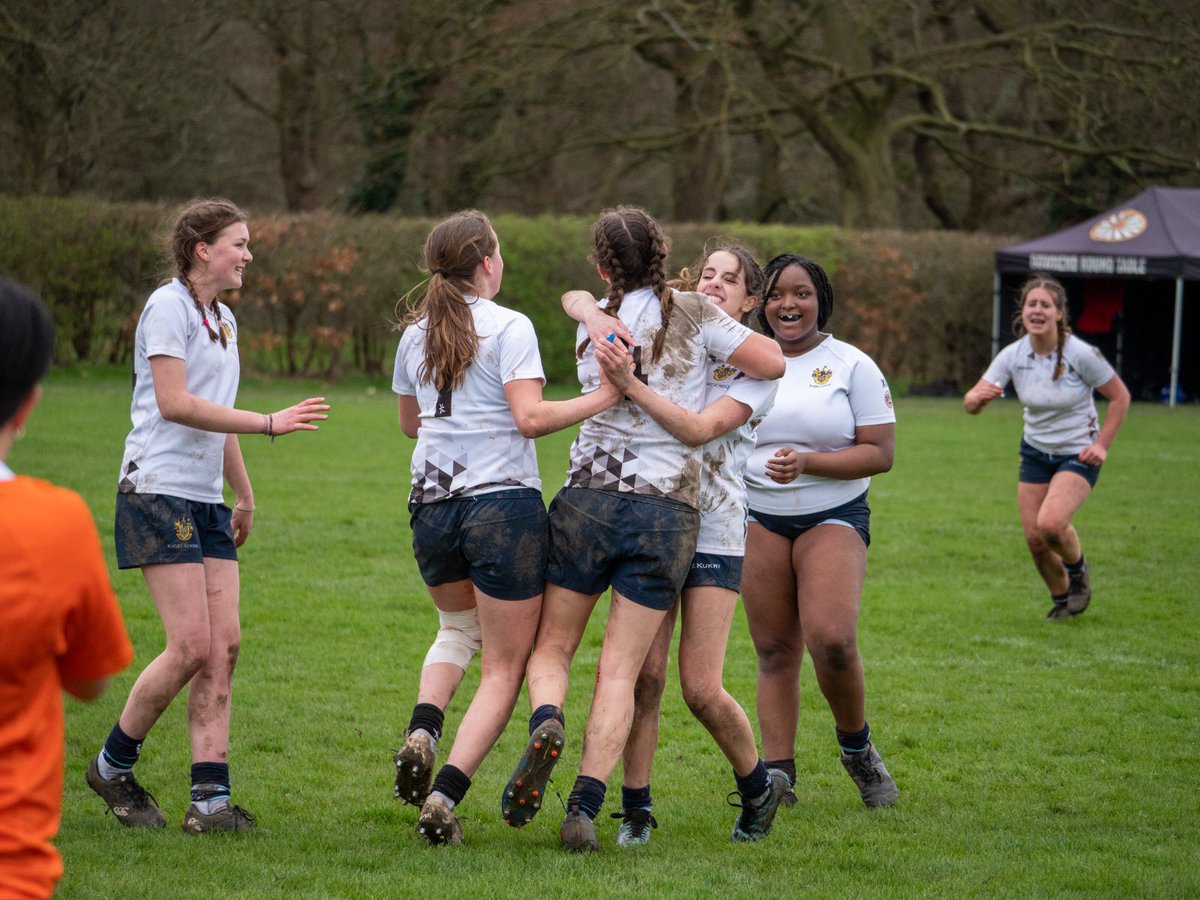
x=636, y=818
x=134, y=794
x=863, y=767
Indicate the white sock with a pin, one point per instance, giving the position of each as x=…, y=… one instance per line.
x=109, y=772
x=449, y=803
x=208, y=807
x=432, y=739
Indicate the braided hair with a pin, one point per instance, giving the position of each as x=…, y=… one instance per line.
x=453, y=250
x=200, y=222
x=1058, y=294
x=820, y=281
x=631, y=249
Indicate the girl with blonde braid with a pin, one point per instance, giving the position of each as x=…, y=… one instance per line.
x=172, y=521
x=1063, y=446
x=627, y=517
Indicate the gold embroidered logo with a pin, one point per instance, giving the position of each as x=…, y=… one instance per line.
x=822, y=375
x=723, y=373
x=228, y=330
x=183, y=528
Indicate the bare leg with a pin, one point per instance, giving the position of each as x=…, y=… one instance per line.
x=627, y=638
x=179, y=593
x=831, y=561
x=769, y=592
x=1067, y=493
x=565, y=615
x=210, y=691
x=707, y=616
x=637, y=759
x=508, y=630
x=1048, y=563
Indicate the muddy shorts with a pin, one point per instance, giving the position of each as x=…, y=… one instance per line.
x=715, y=570
x=1038, y=467
x=854, y=514
x=498, y=540
x=641, y=546
x=158, y=529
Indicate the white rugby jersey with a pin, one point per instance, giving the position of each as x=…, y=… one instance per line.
x=1060, y=416
x=825, y=394
x=164, y=457
x=622, y=448
x=469, y=442
x=723, y=469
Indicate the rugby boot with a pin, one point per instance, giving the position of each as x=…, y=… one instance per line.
x=877, y=787
x=414, y=768
x=526, y=789
x=756, y=820
x=437, y=823
x=132, y=804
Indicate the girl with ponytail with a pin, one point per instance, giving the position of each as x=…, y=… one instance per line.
x=1054, y=374
x=469, y=379
x=628, y=515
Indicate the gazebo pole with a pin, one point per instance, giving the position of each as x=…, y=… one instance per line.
x=996, y=314
x=1175, y=338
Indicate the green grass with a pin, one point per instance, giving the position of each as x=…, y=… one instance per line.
x=1033, y=758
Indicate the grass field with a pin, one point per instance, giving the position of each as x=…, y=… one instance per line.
x=1033, y=758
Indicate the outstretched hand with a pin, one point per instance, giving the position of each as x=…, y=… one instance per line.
x=300, y=417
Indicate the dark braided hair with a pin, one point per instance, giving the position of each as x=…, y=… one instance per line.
x=200, y=222
x=820, y=281
x=1058, y=294
x=631, y=249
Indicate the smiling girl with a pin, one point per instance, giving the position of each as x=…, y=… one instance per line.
x=831, y=429
x=1063, y=446
x=172, y=521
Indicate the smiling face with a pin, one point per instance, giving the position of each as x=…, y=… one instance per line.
x=1041, y=314
x=226, y=257
x=791, y=310
x=723, y=280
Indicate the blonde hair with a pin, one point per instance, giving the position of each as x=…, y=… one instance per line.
x=453, y=250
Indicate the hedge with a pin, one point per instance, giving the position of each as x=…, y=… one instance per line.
x=320, y=297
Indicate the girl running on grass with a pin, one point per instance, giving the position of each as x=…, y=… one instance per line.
x=1063, y=445
x=732, y=280
x=627, y=517
x=831, y=429
x=172, y=521
x=469, y=379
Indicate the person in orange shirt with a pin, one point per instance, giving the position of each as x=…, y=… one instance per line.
x=60, y=626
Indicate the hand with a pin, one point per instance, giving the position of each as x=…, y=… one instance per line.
x=616, y=363
x=600, y=325
x=983, y=393
x=300, y=416
x=242, y=522
x=785, y=465
x=1094, y=455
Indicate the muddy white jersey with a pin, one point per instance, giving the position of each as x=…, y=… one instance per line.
x=622, y=448
x=164, y=457
x=1060, y=416
x=823, y=397
x=469, y=442
x=723, y=461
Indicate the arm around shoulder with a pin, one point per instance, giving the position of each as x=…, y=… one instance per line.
x=759, y=357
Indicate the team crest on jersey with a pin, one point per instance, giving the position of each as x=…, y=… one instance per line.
x=723, y=373
x=821, y=376
x=227, y=329
x=183, y=528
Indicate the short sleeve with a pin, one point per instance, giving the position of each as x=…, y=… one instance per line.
x=722, y=335
x=401, y=382
x=870, y=397
x=519, y=355
x=96, y=642
x=164, y=325
x=756, y=394
x=586, y=367
x=1000, y=370
x=1093, y=368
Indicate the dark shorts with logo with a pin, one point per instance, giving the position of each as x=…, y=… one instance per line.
x=498, y=540
x=158, y=529
x=714, y=570
x=1038, y=467
x=854, y=513
x=642, y=546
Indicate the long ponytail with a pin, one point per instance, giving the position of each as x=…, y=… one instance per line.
x=453, y=251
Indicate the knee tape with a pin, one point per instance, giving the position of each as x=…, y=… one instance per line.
x=458, y=640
